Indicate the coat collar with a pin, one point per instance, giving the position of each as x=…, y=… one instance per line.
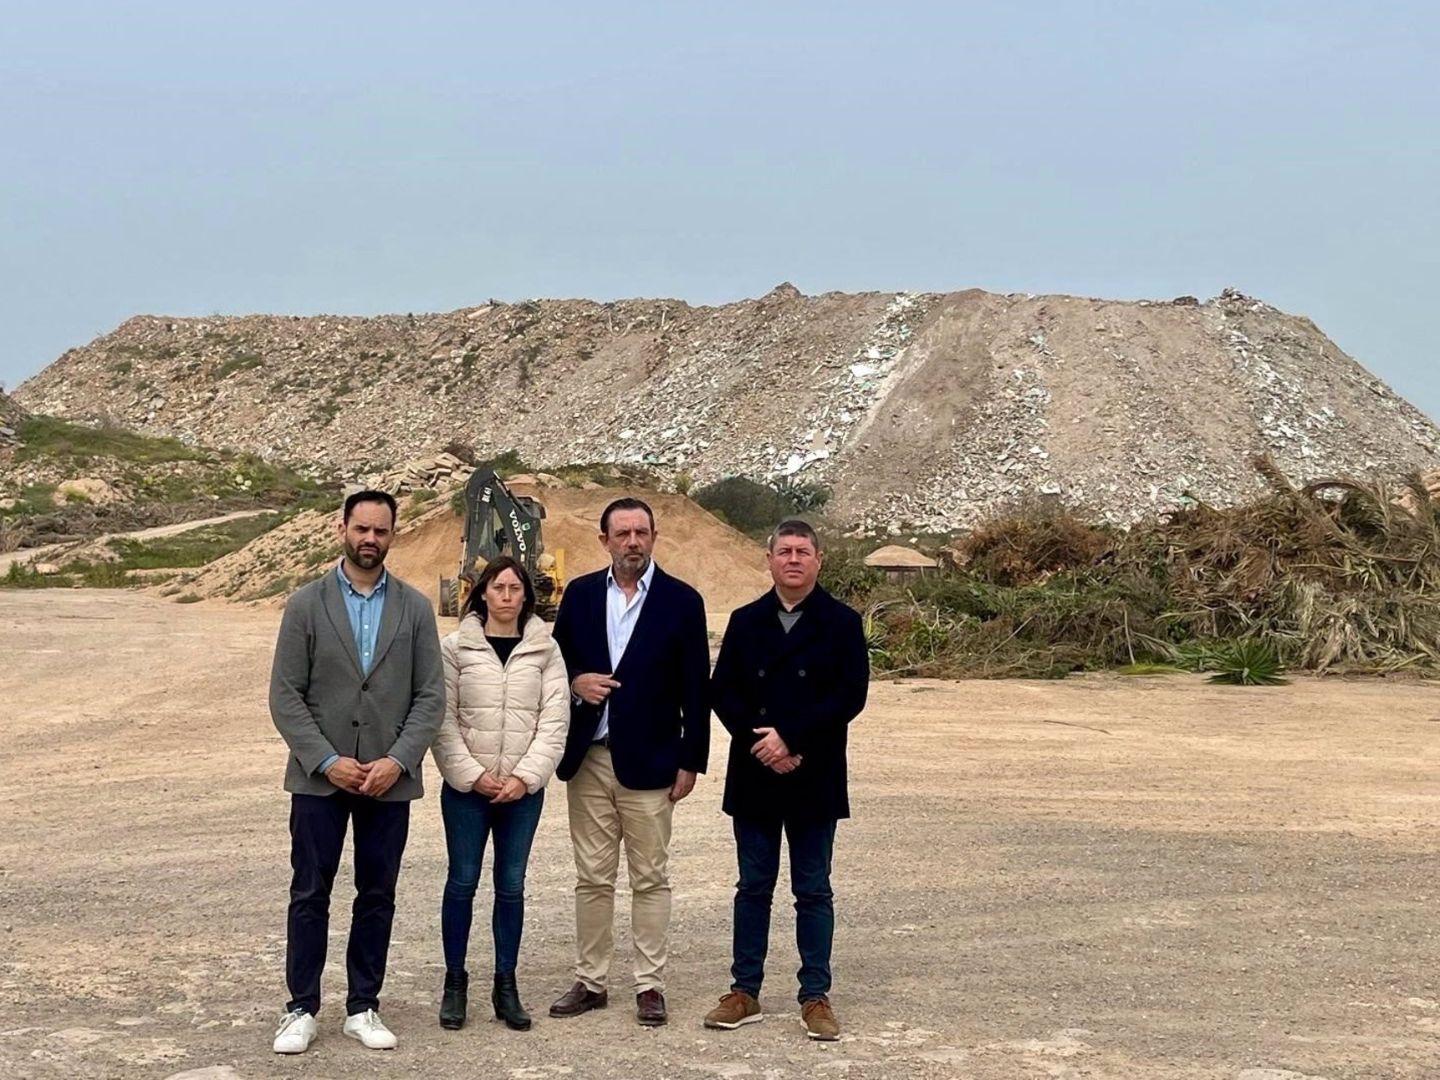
x=804, y=631
x=537, y=636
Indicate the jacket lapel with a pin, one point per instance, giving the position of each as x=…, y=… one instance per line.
x=649, y=615
x=390, y=620
x=600, y=619
x=799, y=635
x=340, y=618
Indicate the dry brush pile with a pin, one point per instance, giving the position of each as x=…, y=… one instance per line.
x=1338, y=575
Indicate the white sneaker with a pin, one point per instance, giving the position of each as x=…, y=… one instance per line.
x=370, y=1030
x=295, y=1033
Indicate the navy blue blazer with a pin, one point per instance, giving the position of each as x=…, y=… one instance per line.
x=660, y=712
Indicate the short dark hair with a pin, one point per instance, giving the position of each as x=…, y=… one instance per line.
x=359, y=497
x=794, y=527
x=493, y=569
x=626, y=503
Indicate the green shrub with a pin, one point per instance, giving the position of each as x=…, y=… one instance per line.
x=1252, y=662
x=803, y=497
x=747, y=505
x=843, y=573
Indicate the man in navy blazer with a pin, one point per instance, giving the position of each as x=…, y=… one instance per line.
x=638, y=653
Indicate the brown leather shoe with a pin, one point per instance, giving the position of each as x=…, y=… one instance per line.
x=819, y=1018
x=736, y=1009
x=579, y=999
x=650, y=1008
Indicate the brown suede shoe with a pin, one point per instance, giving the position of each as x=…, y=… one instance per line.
x=650, y=1008
x=736, y=1009
x=819, y=1018
x=579, y=999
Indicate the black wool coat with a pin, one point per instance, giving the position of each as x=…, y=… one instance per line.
x=808, y=685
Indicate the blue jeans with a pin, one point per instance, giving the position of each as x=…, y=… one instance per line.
x=812, y=845
x=470, y=818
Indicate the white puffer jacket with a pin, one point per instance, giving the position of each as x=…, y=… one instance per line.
x=507, y=721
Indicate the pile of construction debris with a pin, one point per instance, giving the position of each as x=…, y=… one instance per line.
x=11, y=415
x=434, y=472
x=918, y=411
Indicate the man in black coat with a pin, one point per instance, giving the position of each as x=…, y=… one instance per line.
x=638, y=653
x=793, y=672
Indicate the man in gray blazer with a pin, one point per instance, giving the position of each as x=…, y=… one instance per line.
x=357, y=691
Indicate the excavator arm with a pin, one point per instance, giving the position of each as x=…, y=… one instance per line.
x=499, y=523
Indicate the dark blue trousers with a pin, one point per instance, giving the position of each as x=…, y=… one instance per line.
x=812, y=846
x=470, y=819
x=317, y=842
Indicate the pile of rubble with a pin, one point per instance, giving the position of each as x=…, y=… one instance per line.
x=434, y=472
x=917, y=410
x=11, y=414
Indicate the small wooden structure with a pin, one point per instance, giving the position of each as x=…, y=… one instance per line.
x=901, y=563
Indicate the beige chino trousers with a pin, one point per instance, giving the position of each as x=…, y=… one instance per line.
x=602, y=814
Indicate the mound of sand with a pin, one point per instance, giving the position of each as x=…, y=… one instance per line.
x=725, y=565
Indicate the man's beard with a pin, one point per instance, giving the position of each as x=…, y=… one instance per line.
x=634, y=564
x=366, y=560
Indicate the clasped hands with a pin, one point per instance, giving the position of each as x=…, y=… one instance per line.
x=500, y=791
x=771, y=751
x=372, y=778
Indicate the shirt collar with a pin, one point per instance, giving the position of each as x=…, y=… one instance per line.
x=645, y=578
x=350, y=588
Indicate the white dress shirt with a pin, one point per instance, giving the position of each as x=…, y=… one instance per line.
x=621, y=614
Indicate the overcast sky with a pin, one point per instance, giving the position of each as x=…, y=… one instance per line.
x=361, y=158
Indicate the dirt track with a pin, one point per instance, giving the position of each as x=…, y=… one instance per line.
x=40, y=554
x=1099, y=879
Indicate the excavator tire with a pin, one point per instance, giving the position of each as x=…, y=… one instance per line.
x=449, y=597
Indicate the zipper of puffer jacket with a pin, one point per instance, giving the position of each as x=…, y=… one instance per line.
x=504, y=697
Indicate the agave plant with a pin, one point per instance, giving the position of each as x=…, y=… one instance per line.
x=1248, y=662
x=875, y=635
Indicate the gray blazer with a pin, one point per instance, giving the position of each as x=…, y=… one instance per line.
x=322, y=704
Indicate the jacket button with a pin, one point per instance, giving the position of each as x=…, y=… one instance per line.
x=802, y=673
x=762, y=673
x=354, y=723
x=762, y=710
x=365, y=686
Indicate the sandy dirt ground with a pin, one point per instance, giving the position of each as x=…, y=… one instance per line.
x=725, y=565
x=1100, y=879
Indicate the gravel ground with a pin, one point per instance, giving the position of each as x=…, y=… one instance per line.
x=1103, y=878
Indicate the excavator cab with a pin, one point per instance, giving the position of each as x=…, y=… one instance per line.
x=499, y=523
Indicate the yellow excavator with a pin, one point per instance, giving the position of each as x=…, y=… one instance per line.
x=499, y=523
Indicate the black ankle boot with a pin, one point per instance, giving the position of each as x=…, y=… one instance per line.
x=506, y=999
x=452, y=1002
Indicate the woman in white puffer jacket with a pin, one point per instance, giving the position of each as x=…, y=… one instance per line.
x=507, y=711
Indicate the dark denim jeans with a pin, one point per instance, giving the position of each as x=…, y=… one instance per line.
x=470, y=818
x=812, y=844
x=317, y=840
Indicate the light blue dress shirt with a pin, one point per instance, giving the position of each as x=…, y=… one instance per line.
x=365, y=613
